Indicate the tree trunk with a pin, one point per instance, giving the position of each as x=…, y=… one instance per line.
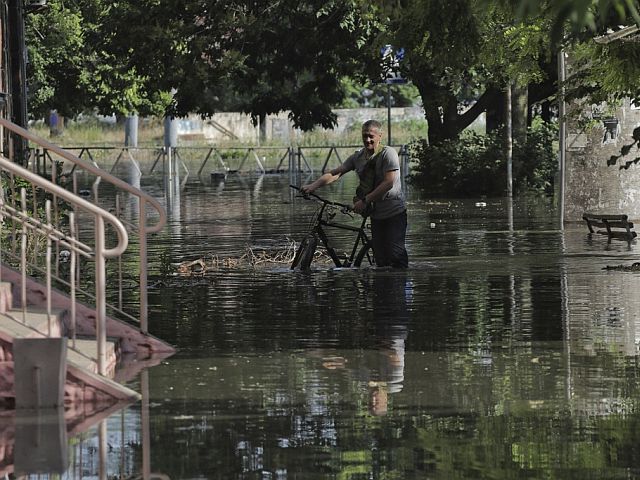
x=435, y=100
x=441, y=110
x=546, y=111
x=17, y=64
x=519, y=109
x=496, y=113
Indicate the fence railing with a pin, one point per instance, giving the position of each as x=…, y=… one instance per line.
x=137, y=221
x=223, y=160
x=28, y=225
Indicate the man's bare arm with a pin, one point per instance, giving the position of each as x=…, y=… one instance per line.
x=325, y=179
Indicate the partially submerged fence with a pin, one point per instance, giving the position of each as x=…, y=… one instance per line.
x=218, y=160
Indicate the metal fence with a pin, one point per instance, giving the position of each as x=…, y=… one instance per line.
x=220, y=160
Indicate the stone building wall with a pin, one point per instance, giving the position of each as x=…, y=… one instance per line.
x=590, y=184
x=279, y=127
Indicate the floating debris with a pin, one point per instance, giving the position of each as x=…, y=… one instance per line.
x=254, y=257
x=634, y=267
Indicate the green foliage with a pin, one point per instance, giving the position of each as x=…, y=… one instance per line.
x=300, y=70
x=375, y=94
x=475, y=164
x=471, y=166
x=625, y=150
x=198, y=56
x=55, y=41
x=515, y=51
x=604, y=73
x=536, y=161
x=205, y=56
x=573, y=16
x=75, y=63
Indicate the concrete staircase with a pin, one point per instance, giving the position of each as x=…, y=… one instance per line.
x=85, y=390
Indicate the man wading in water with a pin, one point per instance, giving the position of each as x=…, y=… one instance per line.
x=379, y=195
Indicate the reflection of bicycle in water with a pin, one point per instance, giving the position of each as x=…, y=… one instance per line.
x=323, y=219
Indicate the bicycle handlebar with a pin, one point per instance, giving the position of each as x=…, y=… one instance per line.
x=346, y=208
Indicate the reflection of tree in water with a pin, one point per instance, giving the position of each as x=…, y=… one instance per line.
x=343, y=337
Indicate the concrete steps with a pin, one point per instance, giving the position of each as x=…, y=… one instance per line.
x=83, y=386
x=34, y=319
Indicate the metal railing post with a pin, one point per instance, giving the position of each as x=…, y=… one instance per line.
x=23, y=257
x=72, y=277
x=101, y=311
x=143, y=268
x=48, y=265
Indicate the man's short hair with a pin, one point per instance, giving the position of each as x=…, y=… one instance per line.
x=372, y=124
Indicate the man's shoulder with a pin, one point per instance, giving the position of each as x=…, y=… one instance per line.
x=390, y=156
x=353, y=159
x=356, y=154
x=389, y=151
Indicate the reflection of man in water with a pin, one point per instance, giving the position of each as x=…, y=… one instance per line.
x=380, y=362
x=388, y=335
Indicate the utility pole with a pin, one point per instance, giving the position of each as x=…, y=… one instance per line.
x=388, y=114
x=18, y=76
x=509, y=140
x=562, y=121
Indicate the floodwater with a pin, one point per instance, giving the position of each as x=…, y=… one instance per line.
x=507, y=349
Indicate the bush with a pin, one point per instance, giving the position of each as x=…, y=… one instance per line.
x=475, y=165
x=536, y=162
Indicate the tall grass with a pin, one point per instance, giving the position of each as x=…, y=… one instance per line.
x=95, y=133
x=151, y=134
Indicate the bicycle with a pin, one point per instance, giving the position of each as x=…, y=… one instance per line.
x=361, y=250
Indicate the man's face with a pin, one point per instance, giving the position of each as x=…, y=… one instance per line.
x=371, y=138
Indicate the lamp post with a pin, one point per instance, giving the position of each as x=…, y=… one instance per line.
x=389, y=113
x=562, y=133
x=391, y=59
x=509, y=118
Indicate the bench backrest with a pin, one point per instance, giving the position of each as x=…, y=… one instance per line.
x=609, y=222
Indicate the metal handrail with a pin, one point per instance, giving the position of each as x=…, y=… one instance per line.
x=99, y=252
x=144, y=200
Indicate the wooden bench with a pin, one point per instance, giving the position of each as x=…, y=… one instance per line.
x=615, y=226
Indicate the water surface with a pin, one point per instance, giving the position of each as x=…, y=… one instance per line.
x=507, y=349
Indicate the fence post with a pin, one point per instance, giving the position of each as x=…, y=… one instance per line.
x=131, y=131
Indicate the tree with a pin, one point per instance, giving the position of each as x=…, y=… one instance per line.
x=258, y=57
x=295, y=55
x=74, y=67
x=574, y=16
x=441, y=41
x=370, y=94
x=519, y=54
x=200, y=56
x=55, y=44
x=461, y=54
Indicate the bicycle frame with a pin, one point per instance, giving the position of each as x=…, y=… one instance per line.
x=323, y=221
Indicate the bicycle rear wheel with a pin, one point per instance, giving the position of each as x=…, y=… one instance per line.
x=364, y=254
x=304, y=255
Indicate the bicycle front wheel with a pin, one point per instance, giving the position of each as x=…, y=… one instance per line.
x=304, y=255
x=364, y=254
